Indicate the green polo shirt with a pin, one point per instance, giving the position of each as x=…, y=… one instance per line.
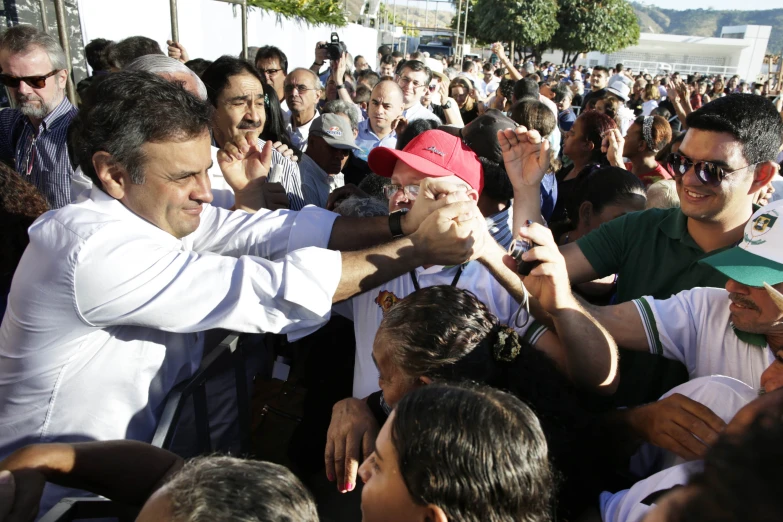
x=653, y=255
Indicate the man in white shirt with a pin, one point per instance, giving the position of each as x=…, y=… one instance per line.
x=329, y=146
x=736, y=331
x=272, y=63
x=489, y=82
x=383, y=113
x=243, y=104
x=106, y=311
x=438, y=154
x=621, y=76
x=302, y=89
x=414, y=78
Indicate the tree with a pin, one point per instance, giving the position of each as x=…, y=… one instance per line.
x=314, y=12
x=527, y=23
x=594, y=25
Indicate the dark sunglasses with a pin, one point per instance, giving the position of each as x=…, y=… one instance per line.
x=707, y=172
x=36, y=82
x=433, y=87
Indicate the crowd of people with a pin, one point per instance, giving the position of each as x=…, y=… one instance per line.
x=526, y=291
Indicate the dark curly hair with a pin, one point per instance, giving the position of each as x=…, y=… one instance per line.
x=447, y=334
x=20, y=205
x=475, y=452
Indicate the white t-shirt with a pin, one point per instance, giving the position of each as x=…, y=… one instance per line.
x=367, y=311
x=419, y=112
x=648, y=107
x=300, y=134
x=693, y=327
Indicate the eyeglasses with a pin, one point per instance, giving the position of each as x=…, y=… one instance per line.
x=411, y=191
x=405, y=80
x=300, y=88
x=270, y=72
x=707, y=172
x=433, y=87
x=36, y=82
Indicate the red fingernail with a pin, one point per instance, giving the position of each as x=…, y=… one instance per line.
x=350, y=486
x=330, y=477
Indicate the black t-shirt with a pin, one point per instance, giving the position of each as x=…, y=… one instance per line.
x=469, y=116
x=592, y=94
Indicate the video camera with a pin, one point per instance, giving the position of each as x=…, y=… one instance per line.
x=335, y=48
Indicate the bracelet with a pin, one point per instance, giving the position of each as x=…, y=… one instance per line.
x=341, y=86
x=318, y=64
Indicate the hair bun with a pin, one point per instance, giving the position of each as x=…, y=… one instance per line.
x=507, y=344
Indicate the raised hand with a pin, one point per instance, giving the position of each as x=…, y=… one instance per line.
x=246, y=169
x=612, y=145
x=525, y=155
x=177, y=51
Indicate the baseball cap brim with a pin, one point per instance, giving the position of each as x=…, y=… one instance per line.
x=340, y=145
x=618, y=94
x=382, y=161
x=746, y=268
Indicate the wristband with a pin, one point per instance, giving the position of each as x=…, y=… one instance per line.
x=395, y=224
x=341, y=86
x=318, y=64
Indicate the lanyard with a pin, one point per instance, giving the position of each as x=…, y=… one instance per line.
x=453, y=283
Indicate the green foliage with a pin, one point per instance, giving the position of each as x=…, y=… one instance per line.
x=528, y=23
x=595, y=25
x=315, y=12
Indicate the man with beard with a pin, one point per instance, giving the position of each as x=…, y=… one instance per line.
x=33, y=136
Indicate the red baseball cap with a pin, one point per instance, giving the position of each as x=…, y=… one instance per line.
x=434, y=153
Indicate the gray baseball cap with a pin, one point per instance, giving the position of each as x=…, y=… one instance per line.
x=335, y=130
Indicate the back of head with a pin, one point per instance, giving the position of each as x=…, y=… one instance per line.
x=163, y=65
x=562, y=91
x=153, y=110
x=122, y=53
x=198, y=65
x=752, y=120
x=218, y=75
x=370, y=77
x=413, y=129
x=467, y=65
x=343, y=107
x=95, y=52
x=384, y=50
x=22, y=38
x=534, y=114
x=362, y=95
x=663, y=194
x=601, y=188
x=268, y=52
x=656, y=132
x=594, y=126
x=526, y=88
x=387, y=59
x=477, y=453
x=207, y=489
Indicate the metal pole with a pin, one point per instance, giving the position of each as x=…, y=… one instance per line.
x=426, y=11
x=244, y=29
x=437, y=4
x=407, y=24
x=63, y=31
x=44, y=20
x=456, y=33
x=467, y=8
x=174, y=21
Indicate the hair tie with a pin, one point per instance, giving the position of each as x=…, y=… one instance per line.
x=507, y=345
x=647, y=126
x=266, y=99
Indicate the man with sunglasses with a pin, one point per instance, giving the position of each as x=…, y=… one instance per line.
x=383, y=114
x=33, y=136
x=302, y=89
x=726, y=157
x=414, y=78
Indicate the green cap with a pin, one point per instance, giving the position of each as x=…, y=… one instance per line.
x=758, y=259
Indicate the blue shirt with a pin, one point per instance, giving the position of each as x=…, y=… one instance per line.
x=368, y=140
x=40, y=155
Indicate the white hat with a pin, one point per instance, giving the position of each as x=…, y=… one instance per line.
x=619, y=89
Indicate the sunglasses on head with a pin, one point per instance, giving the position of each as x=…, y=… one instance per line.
x=707, y=172
x=36, y=82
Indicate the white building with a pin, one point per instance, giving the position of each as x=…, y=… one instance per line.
x=739, y=50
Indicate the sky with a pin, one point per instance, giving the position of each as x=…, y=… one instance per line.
x=716, y=4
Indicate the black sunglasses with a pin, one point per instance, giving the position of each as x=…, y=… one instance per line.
x=707, y=172
x=36, y=82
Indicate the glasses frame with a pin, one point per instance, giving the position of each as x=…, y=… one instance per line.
x=288, y=88
x=14, y=82
x=411, y=191
x=270, y=71
x=707, y=172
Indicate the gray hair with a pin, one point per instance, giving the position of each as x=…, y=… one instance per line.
x=318, y=84
x=20, y=38
x=157, y=64
x=361, y=207
x=343, y=107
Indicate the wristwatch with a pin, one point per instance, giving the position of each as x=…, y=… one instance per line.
x=447, y=105
x=395, y=224
x=341, y=86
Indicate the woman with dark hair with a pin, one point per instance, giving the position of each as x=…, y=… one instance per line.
x=20, y=205
x=445, y=334
x=463, y=92
x=599, y=197
x=582, y=145
x=458, y=453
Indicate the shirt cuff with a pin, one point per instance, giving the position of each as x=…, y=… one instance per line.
x=312, y=227
x=310, y=281
x=644, y=306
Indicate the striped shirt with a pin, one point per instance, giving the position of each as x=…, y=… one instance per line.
x=40, y=155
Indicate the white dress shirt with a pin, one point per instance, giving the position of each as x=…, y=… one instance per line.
x=106, y=309
x=300, y=134
x=419, y=112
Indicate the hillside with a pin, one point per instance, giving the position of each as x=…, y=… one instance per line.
x=708, y=22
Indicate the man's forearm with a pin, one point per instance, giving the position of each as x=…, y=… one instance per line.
x=623, y=323
x=350, y=234
x=122, y=470
x=527, y=206
x=367, y=269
